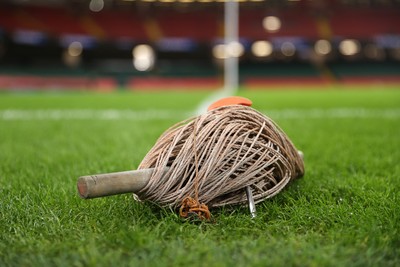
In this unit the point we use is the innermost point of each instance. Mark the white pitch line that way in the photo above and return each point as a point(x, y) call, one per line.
point(336, 113)
point(225, 92)
point(91, 114)
point(143, 115)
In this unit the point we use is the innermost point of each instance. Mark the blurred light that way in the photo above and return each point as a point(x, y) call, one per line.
point(349, 47)
point(205, 1)
point(70, 61)
point(374, 52)
point(222, 51)
point(322, 47)
point(167, 1)
point(271, 23)
point(235, 49)
point(186, 1)
point(288, 49)
point(262, 48)
point(75, 49)
point(143, 57)
point(219, 51)
point(96, 5)
point(72, 54)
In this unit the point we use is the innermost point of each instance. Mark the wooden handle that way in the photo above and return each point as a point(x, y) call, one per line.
point(101, 185)
point(108, 184)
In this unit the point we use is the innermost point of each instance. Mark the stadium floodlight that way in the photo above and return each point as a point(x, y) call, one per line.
point(349, 47)
point(235, 49)
point(143, 57)
point(231, 50)
point(262, 48)
point(219, 51)
point(75, 49)
point(72, 54)
point(288, 49)
point(271, 23)
point(322, 47)
point(96, 5)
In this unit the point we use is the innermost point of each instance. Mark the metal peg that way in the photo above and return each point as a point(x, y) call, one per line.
point(252, 205)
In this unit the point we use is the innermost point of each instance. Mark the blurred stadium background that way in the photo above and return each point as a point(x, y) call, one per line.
point(138, 44)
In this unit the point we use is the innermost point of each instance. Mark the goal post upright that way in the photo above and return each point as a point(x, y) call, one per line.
point(231, 37)
point(230, 61)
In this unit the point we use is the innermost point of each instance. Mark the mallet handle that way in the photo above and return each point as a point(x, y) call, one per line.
point(101, 185)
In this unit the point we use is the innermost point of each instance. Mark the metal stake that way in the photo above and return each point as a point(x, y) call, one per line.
point(252, 205)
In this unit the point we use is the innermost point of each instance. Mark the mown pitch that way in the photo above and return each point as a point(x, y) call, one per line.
point(344, 212)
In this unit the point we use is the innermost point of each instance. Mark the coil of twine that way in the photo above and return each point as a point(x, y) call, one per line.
point(213, 157)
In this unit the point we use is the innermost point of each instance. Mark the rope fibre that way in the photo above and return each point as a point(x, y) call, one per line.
point(214, 156)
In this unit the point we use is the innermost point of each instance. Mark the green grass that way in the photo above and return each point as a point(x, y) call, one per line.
point(344, 212)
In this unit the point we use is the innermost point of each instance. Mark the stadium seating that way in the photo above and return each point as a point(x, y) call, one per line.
point(200, 25)
point(294, 23)
point(197, 25)
point(364, 23)
point(122, 24)
point(203, 27)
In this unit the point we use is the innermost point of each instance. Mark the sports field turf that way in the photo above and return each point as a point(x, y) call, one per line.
point(344, 212)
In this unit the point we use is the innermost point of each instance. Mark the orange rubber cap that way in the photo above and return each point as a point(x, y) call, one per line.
point(232, 100)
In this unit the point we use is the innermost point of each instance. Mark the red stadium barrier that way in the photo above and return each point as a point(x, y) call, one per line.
point(370, 80)
point(262, 83)
point(319, 82)
point(190, 83)
point(38, 83)
point(15, 83)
